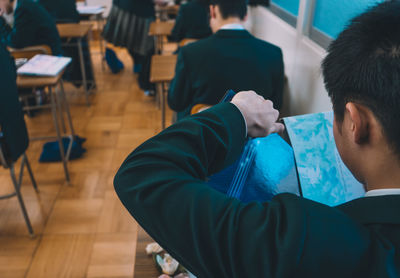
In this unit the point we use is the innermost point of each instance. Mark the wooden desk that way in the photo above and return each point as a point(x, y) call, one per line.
point(73, 30)
point(162, 72)
point(160, 29)
point(37, 81)
point(70, 31)
point(144, 264)
point(58, 104)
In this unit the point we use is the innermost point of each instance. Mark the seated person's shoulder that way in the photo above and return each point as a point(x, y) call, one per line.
point(199, 46)
point(27, 7)
point(267, 47)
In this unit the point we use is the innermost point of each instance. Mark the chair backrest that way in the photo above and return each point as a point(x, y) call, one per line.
point(199, 108)
point(184, 42)
point(29, 52)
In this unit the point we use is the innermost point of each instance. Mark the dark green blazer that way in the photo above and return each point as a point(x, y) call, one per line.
point(141, 8)
point(33, 25)
point(61, 10)
point(229, 59)
point(192, 22)
point(162, 184)
point(12, 121)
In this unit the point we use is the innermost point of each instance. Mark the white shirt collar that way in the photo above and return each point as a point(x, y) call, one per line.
point(232, 26)
point(383, 192)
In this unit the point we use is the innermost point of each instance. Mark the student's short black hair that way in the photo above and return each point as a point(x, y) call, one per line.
point(363, 66)
point(231, 8)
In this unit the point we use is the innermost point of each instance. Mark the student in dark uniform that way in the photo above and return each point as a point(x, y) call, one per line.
point(192, 21)
point(128, 26)
point(12, 122)
point(64, 11)
point(162, 183)
point(230, 59)
point(33, 25)
point(61, 10)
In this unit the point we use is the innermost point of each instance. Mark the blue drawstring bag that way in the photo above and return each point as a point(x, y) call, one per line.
point(113, 62)
point(51, 150)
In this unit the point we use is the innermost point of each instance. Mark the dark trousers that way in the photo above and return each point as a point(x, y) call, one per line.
point(74, 73)
point(144, 75)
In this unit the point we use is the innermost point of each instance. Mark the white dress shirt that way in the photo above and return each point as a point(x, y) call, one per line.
point(232, 26)
point(383, 192)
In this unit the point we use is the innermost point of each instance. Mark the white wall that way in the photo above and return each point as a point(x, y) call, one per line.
point(305, 92)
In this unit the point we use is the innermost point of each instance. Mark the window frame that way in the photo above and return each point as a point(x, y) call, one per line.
point(283, 14)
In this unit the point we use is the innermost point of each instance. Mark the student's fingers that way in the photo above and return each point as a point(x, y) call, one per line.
point(277, 128)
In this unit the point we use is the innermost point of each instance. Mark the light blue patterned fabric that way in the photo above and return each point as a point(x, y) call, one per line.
point(323, 176)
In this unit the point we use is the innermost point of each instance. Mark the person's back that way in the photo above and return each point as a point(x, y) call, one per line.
point(289, 236)
point(192, 21)
point(33, 25)
point(12, 122)
point(61, 10)
point(141, 8)
point(229, 59)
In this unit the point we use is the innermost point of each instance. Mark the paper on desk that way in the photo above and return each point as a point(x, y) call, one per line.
point(44, 65)
point(90, 9)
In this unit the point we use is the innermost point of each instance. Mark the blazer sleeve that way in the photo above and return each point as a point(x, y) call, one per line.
point(162, 184)
point(22, 32)
point(179, 95)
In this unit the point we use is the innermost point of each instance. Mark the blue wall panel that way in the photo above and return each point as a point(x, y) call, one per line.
point(291, 6)
point(331, 16)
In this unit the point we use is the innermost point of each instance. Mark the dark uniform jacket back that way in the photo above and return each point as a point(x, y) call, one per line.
point(229, 59)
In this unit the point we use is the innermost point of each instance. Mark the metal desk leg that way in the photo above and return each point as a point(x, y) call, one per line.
point(83, 70)
point(162, 100)
point(60, 111)
point(59, 138)
point(101, 40)
point(64, 101)
point(161, 44)
point(156, 45)
point(66, 106)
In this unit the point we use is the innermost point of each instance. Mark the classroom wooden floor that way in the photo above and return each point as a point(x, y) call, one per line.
point(82, 229)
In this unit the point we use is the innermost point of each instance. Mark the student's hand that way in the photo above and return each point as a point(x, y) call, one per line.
point(259, 114)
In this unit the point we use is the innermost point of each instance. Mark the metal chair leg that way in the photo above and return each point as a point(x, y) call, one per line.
point(21, 201)
point(28, 165)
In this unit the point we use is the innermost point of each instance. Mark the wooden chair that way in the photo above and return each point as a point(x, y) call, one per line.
point(184, 42)
point(199, 108)
point(30, 52)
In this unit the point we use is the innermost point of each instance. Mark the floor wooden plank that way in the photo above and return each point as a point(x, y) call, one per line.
point(82, 229)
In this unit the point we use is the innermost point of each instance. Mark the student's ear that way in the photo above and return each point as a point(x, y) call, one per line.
point(212, 11)
point(358, 124)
